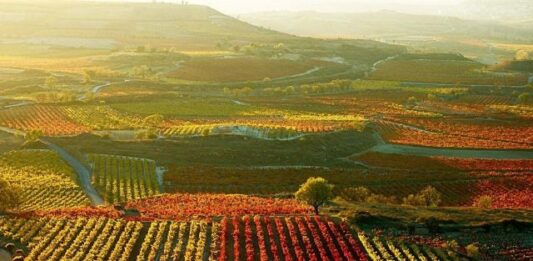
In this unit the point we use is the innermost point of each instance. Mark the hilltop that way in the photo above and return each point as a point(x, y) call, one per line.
point(111, 25)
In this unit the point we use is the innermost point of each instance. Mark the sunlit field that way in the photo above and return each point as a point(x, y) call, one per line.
point(179, 131)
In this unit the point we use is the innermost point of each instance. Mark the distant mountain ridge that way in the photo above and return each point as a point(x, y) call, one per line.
point(381, 24)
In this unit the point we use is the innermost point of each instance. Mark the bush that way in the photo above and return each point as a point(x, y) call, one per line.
point(380, 199)
point(428, 197)
point(359, 194)
point(483, 202)
point(472, 251)
point(362, 194)
point(9, 198)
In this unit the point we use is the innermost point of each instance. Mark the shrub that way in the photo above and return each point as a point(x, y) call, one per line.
point(483, 202)
point(359, 194)
point(428, 197)
point(472, 251)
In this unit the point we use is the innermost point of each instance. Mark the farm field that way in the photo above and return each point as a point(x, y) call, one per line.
point(244, 69)
point(150, 130)
point(447, 71)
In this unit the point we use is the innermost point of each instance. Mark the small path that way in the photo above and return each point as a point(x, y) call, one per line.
point(310, 71)
point(20, 104)
point(97, 88)
point(83, 173)
point(240, 103)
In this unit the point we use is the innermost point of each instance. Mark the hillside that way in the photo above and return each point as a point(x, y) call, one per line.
point(382, 24)
point(110, 25)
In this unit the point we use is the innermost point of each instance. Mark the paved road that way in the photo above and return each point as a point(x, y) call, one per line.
point(83, 173)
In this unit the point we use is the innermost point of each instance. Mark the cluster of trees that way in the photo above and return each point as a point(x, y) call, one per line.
point(152, 123)
point(319, 88)
point(9, 196)
point(522, 55)
point(55, 97)
point(428, 197)
point(90, 74)
point(143, 72)
point(245, 91)
point(261, 49)
point(316, 192)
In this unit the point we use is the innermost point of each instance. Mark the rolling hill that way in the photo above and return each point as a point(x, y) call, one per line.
point(110, 25)
point(381, 24)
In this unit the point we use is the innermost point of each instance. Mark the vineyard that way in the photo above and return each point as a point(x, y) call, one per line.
point(45, 183)
point(474, 138)
point(249, 237)
point(47, 119)
point(148, 130)
point(444, 71)
point(240, 69)
point(190, 206)
point(101, 118)
point(120, 179)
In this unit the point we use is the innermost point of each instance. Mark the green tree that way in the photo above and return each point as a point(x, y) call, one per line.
point(32, 136)
point(522, 55)
point(10, 196)
point(315, 192)
point(472, 251)
point(483, 202)
point(86, 78)
point(431, 196)
point(524, 98)
point(153, 120)
point(50, 82)
point(359, 194)
point(428, 197)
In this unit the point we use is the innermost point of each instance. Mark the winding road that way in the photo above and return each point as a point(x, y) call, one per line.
point(84, 174)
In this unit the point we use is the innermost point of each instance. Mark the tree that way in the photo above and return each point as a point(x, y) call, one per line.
point(9, 198)
point(51, 82)
point(428, 197)
point(483, 202)
point(86, 78)
point(524, 98)
point(153, 120)
point(315, 192)
point(431, 196)
point(472, 251)
point(522, 55)
point(32, 136)
point(359, 194)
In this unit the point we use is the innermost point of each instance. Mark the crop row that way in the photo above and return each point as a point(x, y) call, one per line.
point(403, 135)
point(248, 237)
point(287, 238)
point(47, 119)
point(120, 179)
point(188, 206)
point(43, 179)
point(379, 248)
